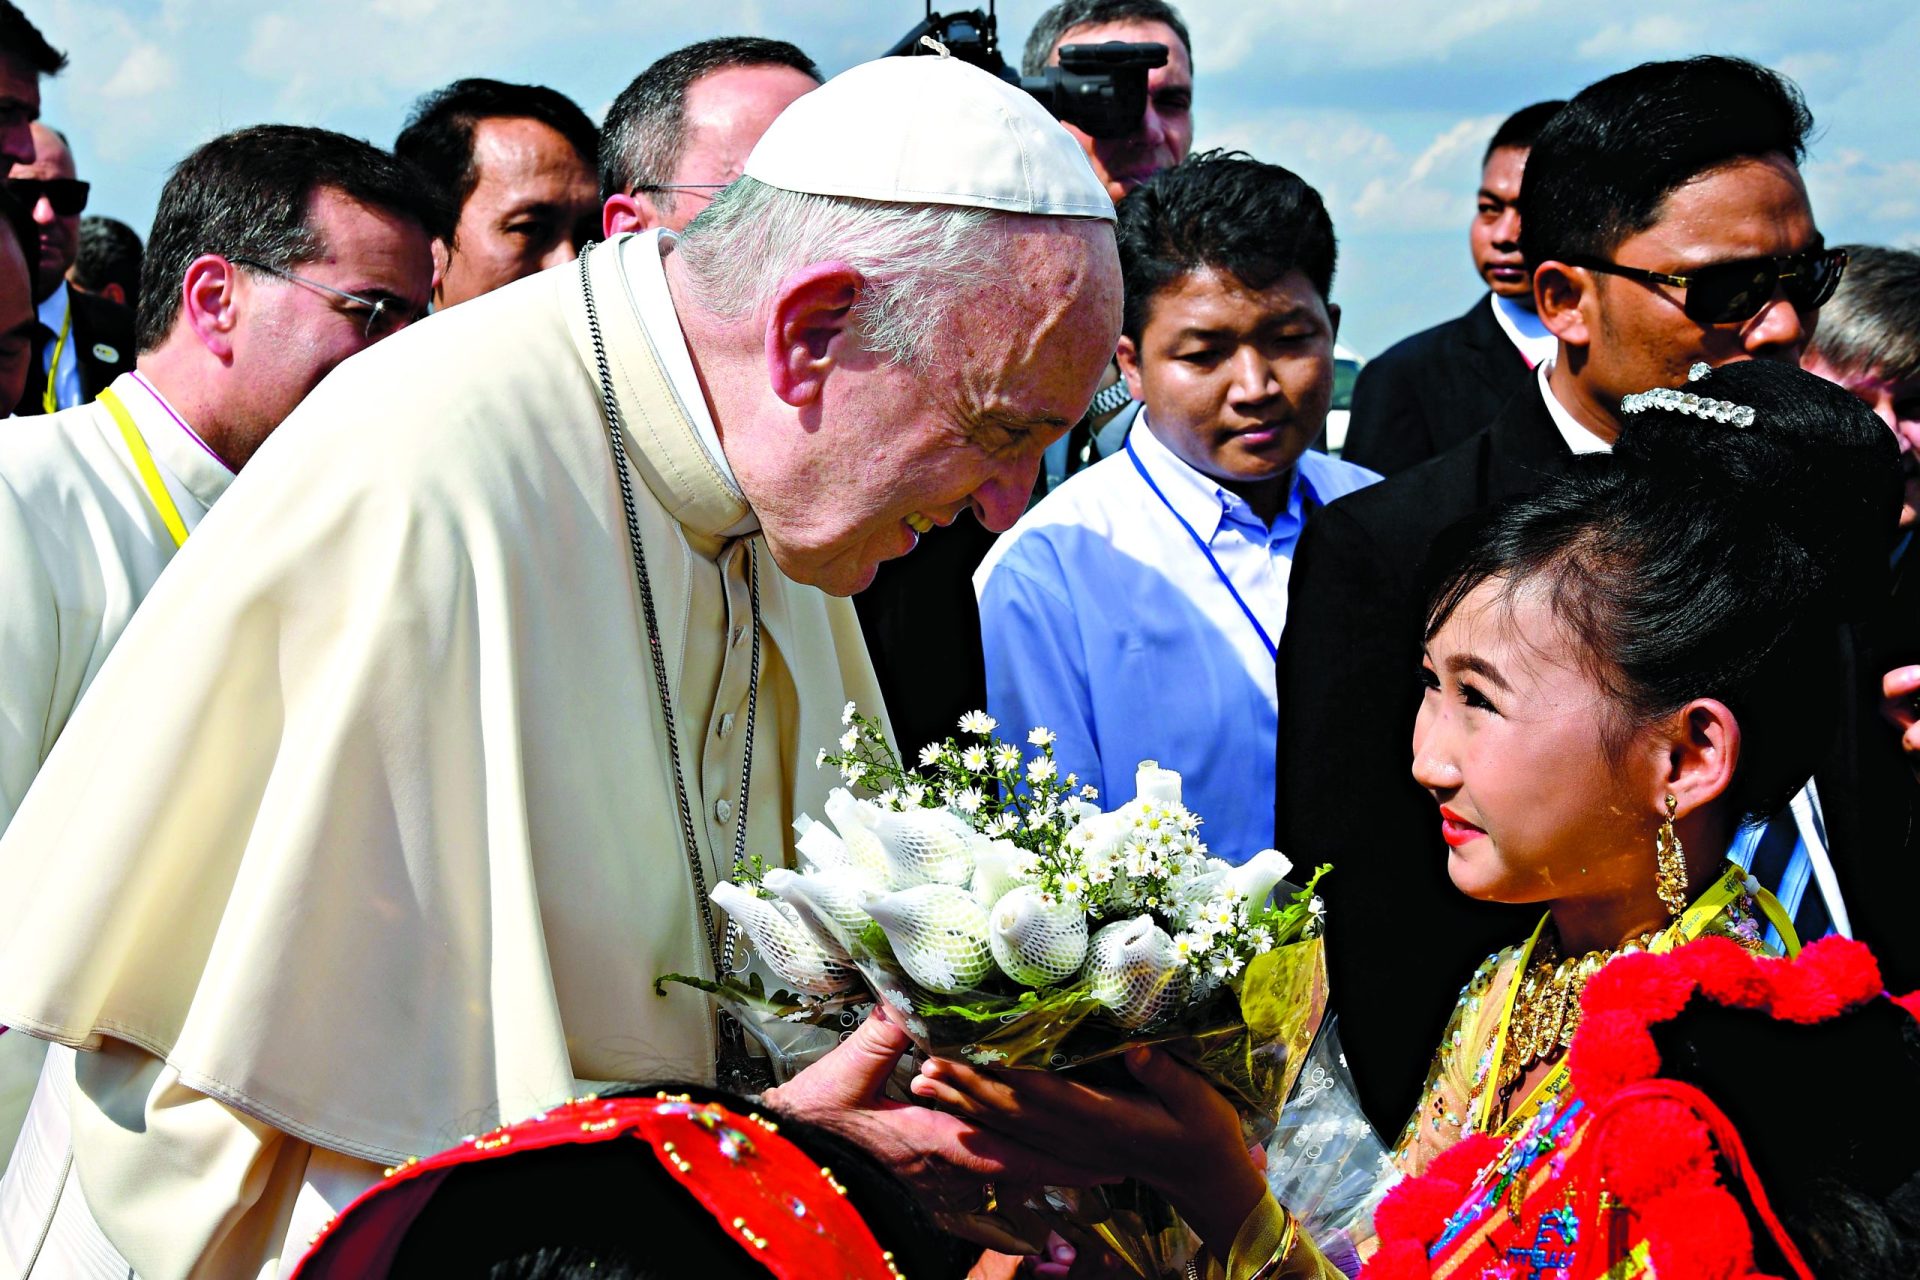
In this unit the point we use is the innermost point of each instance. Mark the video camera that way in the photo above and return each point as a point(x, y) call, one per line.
point(1100, 89)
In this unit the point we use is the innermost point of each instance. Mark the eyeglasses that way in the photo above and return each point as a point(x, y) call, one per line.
point(706, 188)
point(68, 196)
point(1735, 292)
point(384, 315)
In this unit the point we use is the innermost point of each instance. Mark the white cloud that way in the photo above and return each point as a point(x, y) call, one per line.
point(1359, 33)
point(1654, 36)
point(145, 71)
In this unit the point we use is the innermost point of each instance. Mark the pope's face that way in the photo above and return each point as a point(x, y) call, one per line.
point(889, 446)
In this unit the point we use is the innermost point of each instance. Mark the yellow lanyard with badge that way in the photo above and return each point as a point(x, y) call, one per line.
point(149, 473)
point(50, 394)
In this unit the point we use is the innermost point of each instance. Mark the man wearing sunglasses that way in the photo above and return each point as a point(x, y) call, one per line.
point(1665, 223)
point(83, 342)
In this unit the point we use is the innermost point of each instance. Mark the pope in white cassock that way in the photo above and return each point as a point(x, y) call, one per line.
point(409, 777)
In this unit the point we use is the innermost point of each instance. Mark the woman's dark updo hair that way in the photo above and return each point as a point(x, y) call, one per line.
point(1707, 560)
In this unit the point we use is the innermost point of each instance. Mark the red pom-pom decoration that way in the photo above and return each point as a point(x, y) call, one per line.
point(1910, 1002)
point(1656, 1145)
point(1611, 1049)
point(1848, 967)
point(1462, 1162)
point(1398, 1259)
point(1726, 972)
point(1699, 1233)
point(1641, 983)
point(1417, 1209)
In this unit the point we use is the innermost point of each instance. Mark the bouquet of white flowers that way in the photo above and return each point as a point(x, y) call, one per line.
point(1009, 921)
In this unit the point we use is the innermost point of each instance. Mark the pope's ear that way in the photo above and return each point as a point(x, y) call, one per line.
point(808, 325)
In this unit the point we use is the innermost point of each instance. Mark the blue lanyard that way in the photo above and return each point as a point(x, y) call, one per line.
point(1273, 650)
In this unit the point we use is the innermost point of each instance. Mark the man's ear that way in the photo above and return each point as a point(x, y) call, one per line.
point(808, 326)
point(1333, 322)
point(1127, 356)
point(209, 304)
point(113, 291)
point(442, 255)
point(1702, 749)
point(624, 213)
point(1560, 293)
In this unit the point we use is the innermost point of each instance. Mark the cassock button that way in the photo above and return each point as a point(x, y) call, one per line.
point(726, 724)
point(722, 812)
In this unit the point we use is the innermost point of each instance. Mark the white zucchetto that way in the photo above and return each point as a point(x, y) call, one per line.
point(929, 130)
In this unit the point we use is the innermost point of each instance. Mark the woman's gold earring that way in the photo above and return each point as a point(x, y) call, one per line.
point(1670, 864)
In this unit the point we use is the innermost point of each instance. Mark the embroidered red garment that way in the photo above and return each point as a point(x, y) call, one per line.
point(790, 1214)
point(1621, 1178)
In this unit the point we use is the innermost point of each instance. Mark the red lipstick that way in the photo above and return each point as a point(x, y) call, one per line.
point(1456, 830)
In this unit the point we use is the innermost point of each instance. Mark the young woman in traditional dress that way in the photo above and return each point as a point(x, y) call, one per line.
point(1622, 673)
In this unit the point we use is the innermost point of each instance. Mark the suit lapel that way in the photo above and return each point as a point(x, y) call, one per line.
point(1525, 448)
point(1493, 357)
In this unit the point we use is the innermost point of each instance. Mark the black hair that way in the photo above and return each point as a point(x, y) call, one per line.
point(19, 38)
point(610, 1211)
point(1605, 163)
point(1844, 1178)
point(248, 194)
point(646, 127)
point(1068, 14)
point(1708, 560)
point(438, 135)
point(1872, 322)
point(1522, 127)
point(110, 253)
point(1227, 211)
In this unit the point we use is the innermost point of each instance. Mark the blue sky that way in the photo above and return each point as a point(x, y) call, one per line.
point(1385, 105)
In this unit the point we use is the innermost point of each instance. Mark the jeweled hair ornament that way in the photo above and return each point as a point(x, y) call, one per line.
point(1688, 402)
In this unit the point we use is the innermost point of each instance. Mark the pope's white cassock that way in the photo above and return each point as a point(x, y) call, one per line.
point(365, 837)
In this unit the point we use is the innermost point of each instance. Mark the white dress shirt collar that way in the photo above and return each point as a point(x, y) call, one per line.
point(1523, 328)
point(1195, 497)
point(175, 445)
point(1572, 430)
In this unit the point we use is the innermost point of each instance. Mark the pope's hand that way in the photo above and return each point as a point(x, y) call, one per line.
point(1901, 689)
point(1178, 1135)
point(947, 1159)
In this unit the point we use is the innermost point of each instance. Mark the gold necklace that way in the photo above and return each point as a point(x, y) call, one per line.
point(1546, 1009)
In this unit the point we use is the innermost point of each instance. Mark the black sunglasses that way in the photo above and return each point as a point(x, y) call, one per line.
point(1735, 292)
point(68, 196)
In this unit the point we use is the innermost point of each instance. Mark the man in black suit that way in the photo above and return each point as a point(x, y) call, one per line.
point(1670, 168)
point(1429, 392)
point(1869, 343)
point(85, 342)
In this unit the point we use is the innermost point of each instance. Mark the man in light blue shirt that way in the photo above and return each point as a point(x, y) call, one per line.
point(1135, 611)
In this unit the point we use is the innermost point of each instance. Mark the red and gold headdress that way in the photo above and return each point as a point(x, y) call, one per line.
point(789, 1213)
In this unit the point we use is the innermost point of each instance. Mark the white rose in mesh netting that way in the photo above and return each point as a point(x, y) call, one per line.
point(1135, 971)
point(784, 942)
point(1255, 878)
point(819, 847)
point(997, 867)
point(924, 845)
point(1038, 940)
point(853, 819)
point(939, 935)
point(827, 900)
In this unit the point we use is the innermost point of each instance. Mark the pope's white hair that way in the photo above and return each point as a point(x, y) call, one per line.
point(918, 259)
